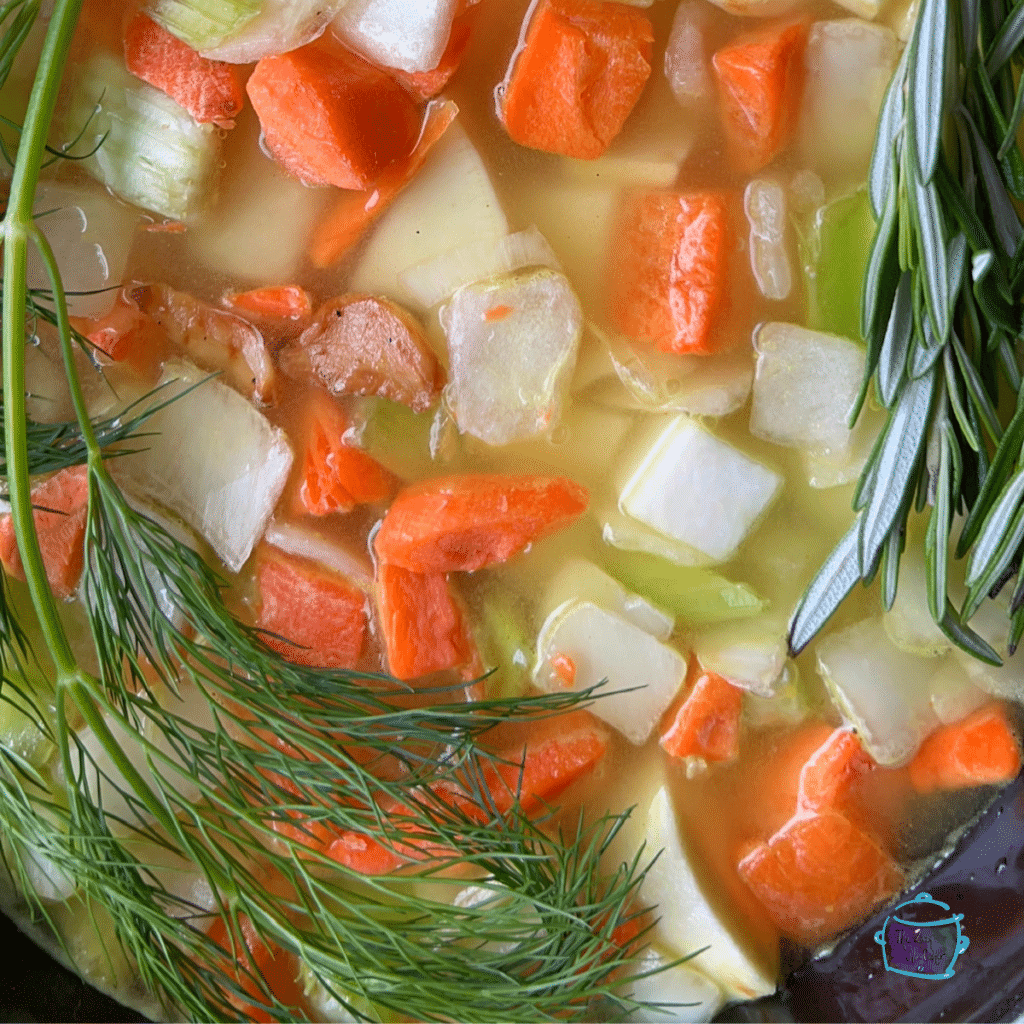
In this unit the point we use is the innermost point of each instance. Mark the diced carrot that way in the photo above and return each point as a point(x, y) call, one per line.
point(462, 523)
point(577, 76)
point(670, 270)
point(336, 475)
point(819, 875)
point(427, 84)
point(284, 302)
point(498, 313)
point(215, 339)
point(363, 345)
point(831, 769)
point(565, 669)
point(558, 752)
point(980, 750)
point(125, 334)
point(706, 722)
point(60, 505)
point(760, 85)
point(331, 118)
point(318, 618)
point(353, 212)
point(424, 631)
point(209, 90)
point(278, 969)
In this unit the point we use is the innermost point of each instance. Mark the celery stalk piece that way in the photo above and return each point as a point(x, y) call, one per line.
point(142, 145)
point(695, 594)
point(835, 256)
point(203, 23)
point(506, 645)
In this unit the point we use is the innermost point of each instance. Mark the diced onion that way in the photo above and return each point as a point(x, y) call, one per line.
point(212, 459)
point(396, 34)
point(435, 280)
point(686, 59)
point(304, 543)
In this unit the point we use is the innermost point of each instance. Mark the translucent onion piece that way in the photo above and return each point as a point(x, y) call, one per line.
point(397, 34)
point(764, 203)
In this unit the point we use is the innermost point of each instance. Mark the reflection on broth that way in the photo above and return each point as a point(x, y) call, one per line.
point(459, 424)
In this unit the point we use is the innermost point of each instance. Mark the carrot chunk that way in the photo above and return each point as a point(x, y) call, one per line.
point(423, 629)
point(706, 722)
point(259, 962)
point(462, 523)
point(362, 345)
point(557, 753)
point(760, 82)
point(336, 476)
point(980, 750)
point(284, 302)
point(125, 334)
point(427, 84)
point(670, 271)
point(818, 875)
point(209, 90)
point(331, 118)
point(577, 76)
point(831, 769)
point(353, 212)
point(60, 505)
point(317, 618)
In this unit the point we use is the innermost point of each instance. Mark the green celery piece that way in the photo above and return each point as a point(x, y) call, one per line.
point(835, 257)
point(396, 436)
point(19, 734)
point(506, 645)
point(694, 594)
point(203, 24)
point(143, 146)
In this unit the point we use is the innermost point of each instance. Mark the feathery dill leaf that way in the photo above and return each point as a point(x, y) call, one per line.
point(242, 793)
point(942, 322)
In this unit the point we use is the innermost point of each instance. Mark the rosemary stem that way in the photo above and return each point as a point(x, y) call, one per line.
point(17, 227)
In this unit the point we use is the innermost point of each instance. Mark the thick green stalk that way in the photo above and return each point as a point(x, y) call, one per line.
point(18, 226)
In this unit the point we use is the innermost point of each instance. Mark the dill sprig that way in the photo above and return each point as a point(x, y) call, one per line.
point(280, 756)
point(941, 317)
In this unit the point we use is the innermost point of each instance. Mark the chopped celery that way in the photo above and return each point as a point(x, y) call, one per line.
point(506, 645)
point(695, 594)
point(400, 439)
point(21, 735)
point(835, 255)
point(140, 143)
point(203, 23)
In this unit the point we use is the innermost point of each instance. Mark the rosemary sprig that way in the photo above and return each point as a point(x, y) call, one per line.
point(941, 318)
point(283, 755)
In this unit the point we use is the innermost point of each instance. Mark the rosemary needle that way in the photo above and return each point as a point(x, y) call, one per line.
point(941, 319)
point(280, 745)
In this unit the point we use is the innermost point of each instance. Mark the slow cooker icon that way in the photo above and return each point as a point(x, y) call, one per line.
point(922, 939)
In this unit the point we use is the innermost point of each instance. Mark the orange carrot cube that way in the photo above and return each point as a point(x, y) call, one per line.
point(831, 769)
point(760, 83)
point(336, 475)
point(209, 90)
point(577, 76)
point(818, 875)
point(980, 750)
point(60, 505)
point(670, 271)
point(706, 722)
point(462, 523)
point(317, 618)
point(423, 628)
point(331, 118)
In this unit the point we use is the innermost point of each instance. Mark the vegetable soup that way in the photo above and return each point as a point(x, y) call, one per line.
point(442, 440)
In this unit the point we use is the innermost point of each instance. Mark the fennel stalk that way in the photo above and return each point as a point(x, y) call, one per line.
point(282, 756)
